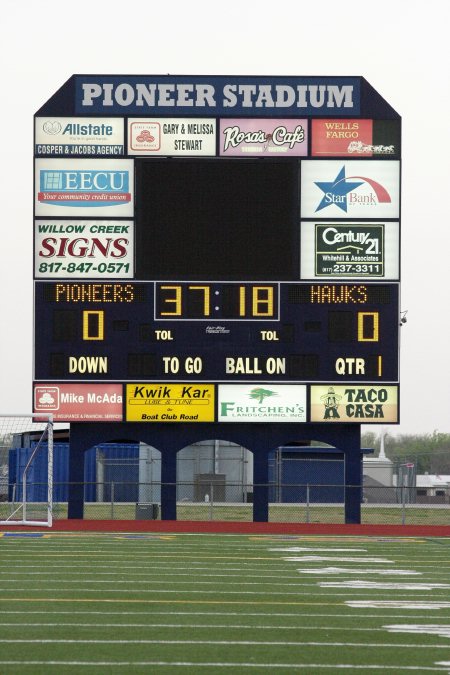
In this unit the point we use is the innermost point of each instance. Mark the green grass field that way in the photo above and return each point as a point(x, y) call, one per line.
point(189, 604)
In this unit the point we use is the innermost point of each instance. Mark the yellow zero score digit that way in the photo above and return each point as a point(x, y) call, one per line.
point(368, 326)
point(369, 331)
point(93, 325)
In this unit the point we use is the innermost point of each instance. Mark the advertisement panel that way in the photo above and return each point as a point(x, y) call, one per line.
point(259, 137)
point(350, 189)
point(262, 403)
point(84, 187)
point(364, 404)
point(353, 137)
point(358, 250)
point(156, 402)
point(172, 136)
point(74, 402)
point(83, 249)
point(79, 136)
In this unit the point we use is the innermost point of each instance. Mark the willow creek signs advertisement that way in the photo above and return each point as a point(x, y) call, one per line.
point(83, 248)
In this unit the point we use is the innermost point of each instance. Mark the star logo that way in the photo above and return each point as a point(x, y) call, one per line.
point(336, 191)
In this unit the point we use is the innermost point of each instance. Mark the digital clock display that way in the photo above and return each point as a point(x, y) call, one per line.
point(218, 301)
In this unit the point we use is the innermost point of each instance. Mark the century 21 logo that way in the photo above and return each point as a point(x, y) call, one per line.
point(356, 238)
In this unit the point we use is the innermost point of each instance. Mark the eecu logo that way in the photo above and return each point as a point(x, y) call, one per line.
point(83, 188)
point(343, 192)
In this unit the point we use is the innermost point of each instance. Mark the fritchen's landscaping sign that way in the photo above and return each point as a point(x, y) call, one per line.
point(262, 403)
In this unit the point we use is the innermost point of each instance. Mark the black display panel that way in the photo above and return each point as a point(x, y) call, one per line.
point(223, 219)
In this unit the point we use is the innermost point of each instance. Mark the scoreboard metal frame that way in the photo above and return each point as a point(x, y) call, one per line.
point(210, 288)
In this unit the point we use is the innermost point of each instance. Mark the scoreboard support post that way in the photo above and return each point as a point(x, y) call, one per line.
point(169, 484)
point(261, 441)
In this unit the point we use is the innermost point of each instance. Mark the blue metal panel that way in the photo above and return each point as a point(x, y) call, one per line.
point(303, 474)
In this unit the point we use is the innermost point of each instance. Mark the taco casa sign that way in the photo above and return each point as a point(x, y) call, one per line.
point(354, 403)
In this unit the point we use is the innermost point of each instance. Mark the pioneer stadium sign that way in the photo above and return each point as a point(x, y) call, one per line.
point(232, 96)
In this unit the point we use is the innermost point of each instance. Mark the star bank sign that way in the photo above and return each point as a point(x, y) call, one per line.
point(360, 189)
point(220, 95)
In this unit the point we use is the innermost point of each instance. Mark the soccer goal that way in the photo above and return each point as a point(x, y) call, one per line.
point(26, 470)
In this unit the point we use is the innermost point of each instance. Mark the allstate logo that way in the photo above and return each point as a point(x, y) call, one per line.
point(51, 128)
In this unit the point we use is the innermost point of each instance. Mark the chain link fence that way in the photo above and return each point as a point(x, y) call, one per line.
point(215, 483)
point(219, 500)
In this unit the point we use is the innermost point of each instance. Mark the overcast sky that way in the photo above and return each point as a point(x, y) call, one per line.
point(401, 48)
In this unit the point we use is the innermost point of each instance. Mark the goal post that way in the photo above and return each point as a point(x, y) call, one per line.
point(26, 470)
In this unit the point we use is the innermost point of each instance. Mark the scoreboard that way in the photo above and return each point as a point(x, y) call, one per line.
point(218, 331)
point(175, 250)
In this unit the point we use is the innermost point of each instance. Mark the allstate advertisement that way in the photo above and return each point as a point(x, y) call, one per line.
point(79, 137)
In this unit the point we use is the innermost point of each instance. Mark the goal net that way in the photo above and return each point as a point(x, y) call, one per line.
point(26, 470)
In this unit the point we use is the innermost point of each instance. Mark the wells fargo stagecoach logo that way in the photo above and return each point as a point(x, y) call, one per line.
point(343, 191)
point(364, 137)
